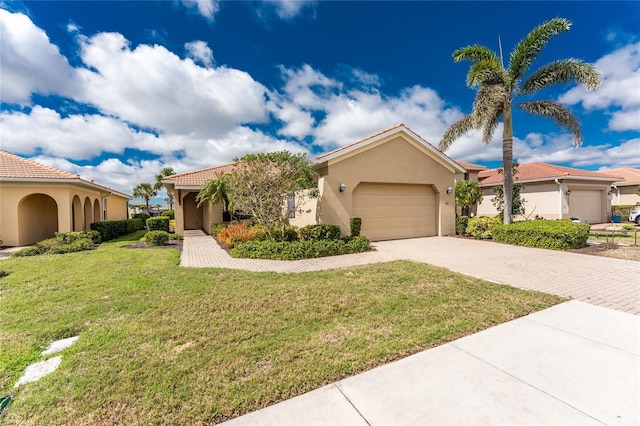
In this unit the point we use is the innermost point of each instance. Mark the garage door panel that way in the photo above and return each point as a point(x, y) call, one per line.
point(392, 211)
point(586, 205)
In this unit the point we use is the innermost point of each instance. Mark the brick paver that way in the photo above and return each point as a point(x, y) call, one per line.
point(603, 281)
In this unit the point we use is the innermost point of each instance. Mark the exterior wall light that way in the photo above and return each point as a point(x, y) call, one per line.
point(342, 187)
point(568, 193)
point(449, 190)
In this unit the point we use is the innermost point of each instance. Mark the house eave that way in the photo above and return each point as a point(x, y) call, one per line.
point(76, 181)
point(553, 179)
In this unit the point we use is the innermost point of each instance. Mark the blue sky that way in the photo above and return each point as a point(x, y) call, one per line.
point(115, 91)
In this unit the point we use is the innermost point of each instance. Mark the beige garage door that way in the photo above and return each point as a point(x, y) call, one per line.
point(586, 205)
point(392, 211)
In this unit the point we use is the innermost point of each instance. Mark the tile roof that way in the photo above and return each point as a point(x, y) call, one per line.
point(629, 176)
point(198, 177)
point(471, 166)
point(13, 167)
point(542, 171)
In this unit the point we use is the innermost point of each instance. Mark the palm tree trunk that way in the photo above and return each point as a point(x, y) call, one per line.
point(507, 163)
point(146, 199)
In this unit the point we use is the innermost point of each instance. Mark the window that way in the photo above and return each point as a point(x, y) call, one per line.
point(104, 209)
point(291, 207)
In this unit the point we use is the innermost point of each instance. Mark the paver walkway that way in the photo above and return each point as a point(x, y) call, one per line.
point(603, 281)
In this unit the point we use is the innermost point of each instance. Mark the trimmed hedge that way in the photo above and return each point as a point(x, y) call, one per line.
point(355, 223)
point(158, 223)
point(461, 224)
point(114, 228)
point(481, 227)
point(156, 238)
point(320, 232)
point(297, 250)
point(171, 214)
point(69, 237)
point(549, 234)
point(64, 242)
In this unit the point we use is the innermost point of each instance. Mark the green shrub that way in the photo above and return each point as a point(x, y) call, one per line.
point(240, 232)
point(143, 216)
point(280, 250)
point(157, 238)
point(291, 233)
point(171, 214)
point(217, 227)
point(550, 234)
point(622, 210)
point(80, 244)
point(114, 228)
point(355, 223)
point(158, 223)
point(481, 227)
point(27, 251)
point(69, 237)
point(461, 224)
point(628, 227)
point(172, 225)
point(320, 232)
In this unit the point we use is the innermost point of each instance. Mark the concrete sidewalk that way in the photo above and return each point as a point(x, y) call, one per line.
point(603, 281)
point(574, 363)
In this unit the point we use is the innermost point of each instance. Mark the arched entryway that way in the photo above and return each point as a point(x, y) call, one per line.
point(76, 210)
point(192, 213)
point(88, 211)
point(96, 211)
point(37, 219)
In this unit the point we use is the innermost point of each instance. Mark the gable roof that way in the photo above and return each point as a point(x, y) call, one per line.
point(629, 176)
point(398, 128)
point(18, 169)
point(196, 178)
point(532, 172)
point(471, 166)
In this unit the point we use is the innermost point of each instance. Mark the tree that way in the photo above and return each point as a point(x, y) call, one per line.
point(214, 191)
point(468, 193)
point(167, 171)
point(145, 190)
point(261, 185)
point(517, 202)
point(498, 88)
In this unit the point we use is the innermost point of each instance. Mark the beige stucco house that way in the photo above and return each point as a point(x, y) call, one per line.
point(36, 201)
point(555, 192)
point(625, 191)
point(397, 182)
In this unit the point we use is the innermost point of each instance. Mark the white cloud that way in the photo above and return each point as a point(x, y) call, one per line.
point(288, 9)
point(199, 51)
point(30, 62)
point(152, 87)
point(79, 137)
point(206, 8)
point(618, 91)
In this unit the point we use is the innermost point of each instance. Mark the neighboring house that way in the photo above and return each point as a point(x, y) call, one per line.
point(625, 191)
point(36, 201)
point(555, 192)
point(397, 182)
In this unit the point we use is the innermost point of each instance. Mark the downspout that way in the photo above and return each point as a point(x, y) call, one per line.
point(559, 199)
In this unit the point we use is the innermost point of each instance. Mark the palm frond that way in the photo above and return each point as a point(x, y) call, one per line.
point(563, 71)
point(558, 113)
point(475, 53)
point(486, 72)
point(489, 99)
point(526, 51)
point(456, 130)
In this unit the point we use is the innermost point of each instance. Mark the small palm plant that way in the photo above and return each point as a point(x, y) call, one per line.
point(214, 191)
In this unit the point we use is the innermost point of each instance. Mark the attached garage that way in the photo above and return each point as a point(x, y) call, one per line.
point(393, 210)
point(586, 205)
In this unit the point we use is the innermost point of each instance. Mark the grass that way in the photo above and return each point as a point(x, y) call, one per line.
point(160, 344)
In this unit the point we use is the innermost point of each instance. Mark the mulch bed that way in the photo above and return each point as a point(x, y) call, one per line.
point(176, 244)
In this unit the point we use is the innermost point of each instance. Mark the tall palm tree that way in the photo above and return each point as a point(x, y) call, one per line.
point(498, 88)
point(167, 171)
point(214, 191)
point(145, 190)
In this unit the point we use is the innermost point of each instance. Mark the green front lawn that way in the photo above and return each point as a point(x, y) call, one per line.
point(160, 344)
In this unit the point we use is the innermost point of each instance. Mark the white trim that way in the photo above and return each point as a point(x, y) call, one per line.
point(549, 179)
